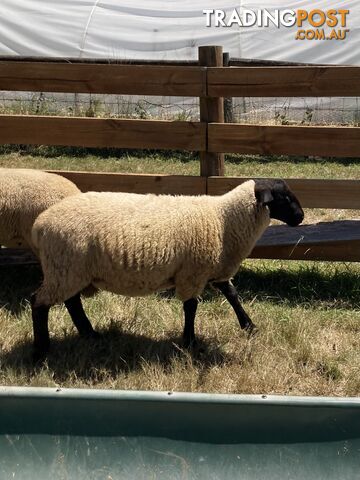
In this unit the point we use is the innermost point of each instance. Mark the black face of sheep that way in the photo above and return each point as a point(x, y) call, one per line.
point(193, 266)
point(282, 203)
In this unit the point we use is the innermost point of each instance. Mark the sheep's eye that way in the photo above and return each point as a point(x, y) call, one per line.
point(288, 199)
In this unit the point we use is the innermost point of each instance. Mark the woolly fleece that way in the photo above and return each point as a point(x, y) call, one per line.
point(24, 194)
point(136, 245)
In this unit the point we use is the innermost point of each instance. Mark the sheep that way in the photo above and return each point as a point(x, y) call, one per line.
point(136, 245)
point(24, 194)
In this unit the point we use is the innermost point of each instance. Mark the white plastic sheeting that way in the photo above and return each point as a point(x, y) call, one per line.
point(168, 29)
point(172, 30)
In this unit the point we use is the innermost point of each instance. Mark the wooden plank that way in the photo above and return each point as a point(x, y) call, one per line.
point(330, 252)
point(211, 110)
point(322, 232)
point(95, 78)
point(284, 140)
point(16, 256)
point(100, 132)
point(228, 101)
point(324, 81)
point(335, 241)
point(99, 61)
point(341, 252)
point(136, 183)
point(256, 62)
point(312, 193)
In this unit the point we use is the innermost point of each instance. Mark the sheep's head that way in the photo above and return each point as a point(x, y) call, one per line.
point(280, 200)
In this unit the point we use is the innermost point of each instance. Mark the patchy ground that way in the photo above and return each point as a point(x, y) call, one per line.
point(308, 314)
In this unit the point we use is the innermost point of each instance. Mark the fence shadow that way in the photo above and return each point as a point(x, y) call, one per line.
point(114, 352)
point(49, 151)
point(295, 286)
point(308, 284)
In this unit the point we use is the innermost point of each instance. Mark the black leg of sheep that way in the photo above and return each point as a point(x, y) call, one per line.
point(230, 293)
point(190, 307)
point(40, 317)
point(79, 318)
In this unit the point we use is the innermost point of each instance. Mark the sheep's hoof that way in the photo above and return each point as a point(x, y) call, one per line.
point(251, 329)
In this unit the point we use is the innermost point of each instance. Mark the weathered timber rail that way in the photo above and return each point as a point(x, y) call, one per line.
point(209, 80)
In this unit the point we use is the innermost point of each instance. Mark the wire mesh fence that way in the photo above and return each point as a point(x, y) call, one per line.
point(282, 111)
point(99, 105)
point(298, 111)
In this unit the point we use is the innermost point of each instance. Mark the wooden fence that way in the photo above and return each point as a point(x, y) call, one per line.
point(211, 82)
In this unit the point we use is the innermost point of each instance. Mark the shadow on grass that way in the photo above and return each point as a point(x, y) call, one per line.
point(114, 352)
point(45, 151)
point(299, 286)
point(17, 284)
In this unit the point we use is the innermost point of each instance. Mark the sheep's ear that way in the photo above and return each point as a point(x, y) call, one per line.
point(264, 196)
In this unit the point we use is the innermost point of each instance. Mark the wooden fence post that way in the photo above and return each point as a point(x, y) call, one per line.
point(211, 110)
point(228, 101)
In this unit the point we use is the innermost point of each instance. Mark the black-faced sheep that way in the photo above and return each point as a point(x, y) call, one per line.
point(140, 244)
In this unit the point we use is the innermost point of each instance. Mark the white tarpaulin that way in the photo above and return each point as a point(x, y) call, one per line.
point(172, 30)
point(168, 29)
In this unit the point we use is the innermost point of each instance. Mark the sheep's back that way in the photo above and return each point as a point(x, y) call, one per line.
point(24, 194)
point(140, 231)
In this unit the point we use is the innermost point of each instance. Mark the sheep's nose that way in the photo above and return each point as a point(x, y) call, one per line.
point(299, 218)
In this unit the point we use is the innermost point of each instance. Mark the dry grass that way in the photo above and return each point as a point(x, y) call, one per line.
point(308, 341)
point(308, 313)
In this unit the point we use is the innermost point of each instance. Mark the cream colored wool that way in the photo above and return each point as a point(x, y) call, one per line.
point(24, 194)
point(139, 244)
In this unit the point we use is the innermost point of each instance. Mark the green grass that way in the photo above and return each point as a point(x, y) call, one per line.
point(175, 162)
point(308, 341)
point(308, 314)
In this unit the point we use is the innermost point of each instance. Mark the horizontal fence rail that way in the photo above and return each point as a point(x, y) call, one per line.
point(284, 140)
point(257, 62)
point(99, 61)
point(107, 79)
point(284, 82)
point(101, 132)
point(209, 80)
point(233, 61)
point(312, 193)
point(157, 134)
point(136, 183)
point(337, 241)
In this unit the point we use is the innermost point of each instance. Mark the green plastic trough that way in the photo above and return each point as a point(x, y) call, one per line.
point(96, 434)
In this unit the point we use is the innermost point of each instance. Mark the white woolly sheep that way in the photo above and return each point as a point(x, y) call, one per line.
point(136, 245)
point(24, 194)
